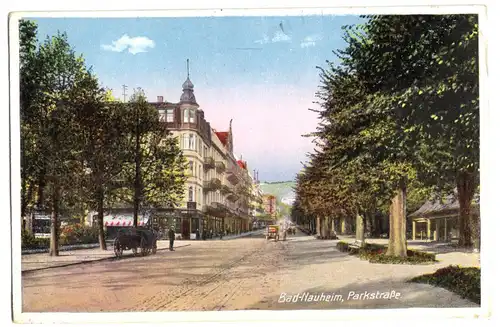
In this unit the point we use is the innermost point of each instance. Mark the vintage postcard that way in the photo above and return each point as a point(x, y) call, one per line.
point(248, 164)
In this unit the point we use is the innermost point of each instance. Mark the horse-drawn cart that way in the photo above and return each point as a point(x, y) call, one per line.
point(273, 232)
point(134, 238)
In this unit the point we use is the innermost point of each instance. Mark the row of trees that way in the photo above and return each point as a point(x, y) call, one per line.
point(81, 149)
point(399, 118)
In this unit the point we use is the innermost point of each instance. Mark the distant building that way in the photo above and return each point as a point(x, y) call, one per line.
point(438, 220)
point(270, 204)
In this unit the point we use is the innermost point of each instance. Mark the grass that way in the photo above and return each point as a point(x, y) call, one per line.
point(465, 282)
point(375, 253)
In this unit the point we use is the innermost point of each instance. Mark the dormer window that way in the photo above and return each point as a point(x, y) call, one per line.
point(186, 116)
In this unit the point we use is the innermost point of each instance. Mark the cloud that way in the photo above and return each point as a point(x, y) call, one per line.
point(133, 44)
point(264, 40)
point(310, 41)
point(279, 36)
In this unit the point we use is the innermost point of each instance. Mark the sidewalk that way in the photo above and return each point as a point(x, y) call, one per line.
point(40, 261)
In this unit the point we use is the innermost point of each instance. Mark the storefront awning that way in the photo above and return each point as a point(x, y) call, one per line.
point(124, 220)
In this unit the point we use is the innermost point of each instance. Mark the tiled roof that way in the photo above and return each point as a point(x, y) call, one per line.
point(242, 164)
point(433, 207)
point(223, 136)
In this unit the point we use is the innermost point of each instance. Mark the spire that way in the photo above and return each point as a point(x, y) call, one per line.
point(188, 89)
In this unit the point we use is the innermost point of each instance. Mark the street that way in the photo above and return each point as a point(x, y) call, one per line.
point(238, 274)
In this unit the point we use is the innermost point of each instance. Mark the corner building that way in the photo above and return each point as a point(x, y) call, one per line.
point(218, 189)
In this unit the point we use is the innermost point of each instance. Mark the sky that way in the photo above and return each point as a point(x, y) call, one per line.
point(259, 71)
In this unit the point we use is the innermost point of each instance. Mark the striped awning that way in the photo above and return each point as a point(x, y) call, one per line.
point(124, 221)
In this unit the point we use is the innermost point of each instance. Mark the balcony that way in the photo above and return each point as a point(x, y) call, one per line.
point(232, 176)
point(225, 190)
point(212, 185)
point(209, 163)
point(220, 166)
point(243, 191)
point(233, 197)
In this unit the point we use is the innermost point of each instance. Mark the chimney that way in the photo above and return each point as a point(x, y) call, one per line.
point(159, 98)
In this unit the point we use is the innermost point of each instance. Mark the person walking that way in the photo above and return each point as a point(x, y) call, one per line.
point(171, 237)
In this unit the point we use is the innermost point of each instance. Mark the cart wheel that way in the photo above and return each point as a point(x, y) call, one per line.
point(118, 249)
point(144, 246)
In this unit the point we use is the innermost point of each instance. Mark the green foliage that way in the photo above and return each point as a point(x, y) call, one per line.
point(29, 241)
point(400, 111)
point(375, 253)
point(79, 147)
point(79, 234)
point(464, 281)
point(153, 174)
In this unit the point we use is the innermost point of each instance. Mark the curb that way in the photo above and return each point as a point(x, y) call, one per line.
point(111, 258)
point(64, 248)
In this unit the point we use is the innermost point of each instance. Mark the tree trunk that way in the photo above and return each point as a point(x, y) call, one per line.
point(397, 218)
point(25, 199)
point(360, 229)
point(41, 188)
point(137, 179)
point(334, 228)
point(100, 218)
point(318, 226)
point(466, 186)
point(369, 223)
point(328, 221)
point(54, 223)
point(343, 225)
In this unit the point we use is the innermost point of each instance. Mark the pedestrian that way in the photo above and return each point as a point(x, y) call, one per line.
point(197, 234)
point(171, 237)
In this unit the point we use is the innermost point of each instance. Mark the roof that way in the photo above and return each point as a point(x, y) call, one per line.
point(242, 164)
point(163, 105)
point(223, 137)
point(433, 207)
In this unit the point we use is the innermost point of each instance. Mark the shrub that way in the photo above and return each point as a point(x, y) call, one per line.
point(29, 241)
point(464, 281)
point(375, 253)
point(343, 246)
point(78, 234)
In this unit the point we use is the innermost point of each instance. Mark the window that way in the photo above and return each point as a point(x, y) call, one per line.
point(186, 116)
point(191, 168)
point(162, 115)
point(200, 171)
point(192, 116)
point(192, 143)
point(185, 141)
point(199, 146)
point(199, 195)
point(170, 115)
point(205, 151)
point(190, 194)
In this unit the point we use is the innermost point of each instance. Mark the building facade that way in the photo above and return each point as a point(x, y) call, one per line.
point(218, 192)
